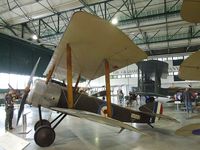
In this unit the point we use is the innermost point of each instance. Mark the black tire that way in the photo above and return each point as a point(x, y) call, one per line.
point(39, 123)
point(44, 136)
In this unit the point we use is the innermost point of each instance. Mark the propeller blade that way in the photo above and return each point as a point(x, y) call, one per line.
point(23, 101)
point(10, 87)
point(33, 73)
point(26, 91)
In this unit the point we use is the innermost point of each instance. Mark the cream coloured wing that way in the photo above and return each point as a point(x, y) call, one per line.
point(190, 67)
point(190, 11)
point(96, 118)
point(93, 40)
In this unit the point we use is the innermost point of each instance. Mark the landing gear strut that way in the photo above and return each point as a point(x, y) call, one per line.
point(44, 134)
point(150, 125)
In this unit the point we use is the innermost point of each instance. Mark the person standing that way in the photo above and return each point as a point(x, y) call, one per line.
point(103, 98)
point(121, 97)
point(9, 108)
point(187, 100)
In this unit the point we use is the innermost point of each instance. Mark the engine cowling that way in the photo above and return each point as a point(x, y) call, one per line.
point(46, 95)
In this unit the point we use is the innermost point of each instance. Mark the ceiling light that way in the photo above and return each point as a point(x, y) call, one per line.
point(114, 21)
point(35, 37)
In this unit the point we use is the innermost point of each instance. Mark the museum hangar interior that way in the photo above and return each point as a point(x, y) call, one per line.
point(32, 29)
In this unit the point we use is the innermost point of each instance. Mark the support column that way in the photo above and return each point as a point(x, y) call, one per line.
point(107, 80)
point(69, 77)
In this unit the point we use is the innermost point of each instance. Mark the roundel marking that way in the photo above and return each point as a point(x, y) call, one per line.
point(196, 132)
point(103, 110)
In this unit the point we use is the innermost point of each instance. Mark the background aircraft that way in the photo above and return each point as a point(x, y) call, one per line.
point(149, 81)
point(80, 53)
point(190, 67)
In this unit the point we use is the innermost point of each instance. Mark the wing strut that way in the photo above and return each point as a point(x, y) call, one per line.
point(69, 77)
point(50, 74)
point(107, 79)
point(76, 85)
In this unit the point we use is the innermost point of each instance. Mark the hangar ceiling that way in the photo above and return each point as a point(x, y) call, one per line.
point(154, 25)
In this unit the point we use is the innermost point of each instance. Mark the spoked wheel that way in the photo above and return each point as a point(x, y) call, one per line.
point(42, 123)
point(44, 136)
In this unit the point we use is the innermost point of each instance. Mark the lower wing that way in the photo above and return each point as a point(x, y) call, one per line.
point(96, 118)
point(188, 130)
point(164, 117)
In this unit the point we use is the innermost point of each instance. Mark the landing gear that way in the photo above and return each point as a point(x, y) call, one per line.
point(150, 125)
point(44, 136)
point(41, 123)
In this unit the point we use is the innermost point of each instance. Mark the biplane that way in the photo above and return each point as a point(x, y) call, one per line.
point(90, 47)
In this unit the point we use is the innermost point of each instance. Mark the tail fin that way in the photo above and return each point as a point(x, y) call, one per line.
point(158, 109)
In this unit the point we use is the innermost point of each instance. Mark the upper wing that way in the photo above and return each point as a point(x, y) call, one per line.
point(190, 11)
point(95, 117)
point(190, 67)
point(93, 40)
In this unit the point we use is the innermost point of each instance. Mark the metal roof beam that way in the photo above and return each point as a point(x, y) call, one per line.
point(144, 8)
point(57, 22)
point(190, 32)
point(175, 33)
point(144, 36)
point(118, 10)
point(166, 21)
point(146, 41)
point(25, 14)
point(8, 26)
point(87, 6)
point(153, 35)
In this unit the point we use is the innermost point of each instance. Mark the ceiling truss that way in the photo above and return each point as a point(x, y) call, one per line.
point(153, 25)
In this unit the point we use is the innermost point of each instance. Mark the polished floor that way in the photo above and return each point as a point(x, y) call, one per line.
point(74, 133)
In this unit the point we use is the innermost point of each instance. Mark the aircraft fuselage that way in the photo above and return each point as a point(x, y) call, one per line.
point(54, 95)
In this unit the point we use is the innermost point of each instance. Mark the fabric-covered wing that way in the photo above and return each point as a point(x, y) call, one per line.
point(188, 130)
point(96, 118)
point(190, 67)
point(164, 117)
point(93, 40)
point(190, 11)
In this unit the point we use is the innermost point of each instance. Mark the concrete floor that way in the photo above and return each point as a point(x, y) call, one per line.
point(74, 133)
